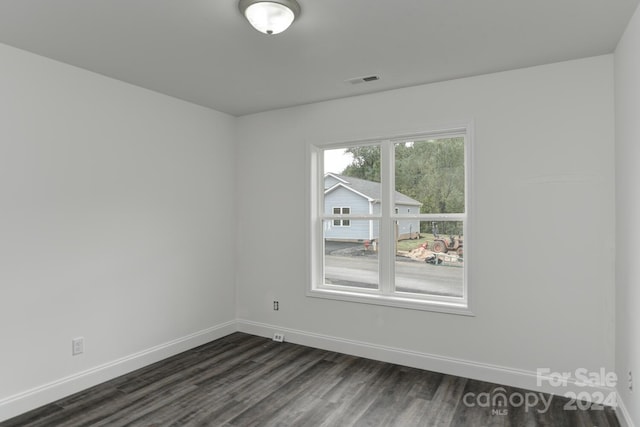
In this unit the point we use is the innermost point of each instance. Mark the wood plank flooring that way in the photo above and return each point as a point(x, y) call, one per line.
point(243, 380)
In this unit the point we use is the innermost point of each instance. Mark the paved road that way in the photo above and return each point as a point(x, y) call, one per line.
point(411, 276)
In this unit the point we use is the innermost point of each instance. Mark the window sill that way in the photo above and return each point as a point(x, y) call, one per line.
point(397, 301)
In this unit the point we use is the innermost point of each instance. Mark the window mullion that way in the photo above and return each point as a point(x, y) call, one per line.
point(387, 230)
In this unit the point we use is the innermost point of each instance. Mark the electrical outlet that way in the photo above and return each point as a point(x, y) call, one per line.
point(630, 381)
point(278, 337)
point(276, 305)
point(77, 346)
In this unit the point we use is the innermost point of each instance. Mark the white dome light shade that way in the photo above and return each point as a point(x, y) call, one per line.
point(270, 17)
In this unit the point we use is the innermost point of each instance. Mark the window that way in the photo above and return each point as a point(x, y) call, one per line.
point(389, 221)
point(341, 222)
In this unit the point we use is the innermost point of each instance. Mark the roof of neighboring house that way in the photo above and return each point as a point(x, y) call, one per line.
point(368, 189)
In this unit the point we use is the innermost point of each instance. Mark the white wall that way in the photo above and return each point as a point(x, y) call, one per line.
point(118, 222)
point(543, 264)
point(116, 225)
point(627, 94)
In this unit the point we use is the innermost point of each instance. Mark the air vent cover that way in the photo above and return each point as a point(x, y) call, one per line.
point(366, 79)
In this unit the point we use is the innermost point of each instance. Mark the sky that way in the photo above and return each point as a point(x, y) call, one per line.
point(336, 160)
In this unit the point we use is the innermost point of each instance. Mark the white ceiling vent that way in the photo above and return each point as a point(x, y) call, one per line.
point(366, 79)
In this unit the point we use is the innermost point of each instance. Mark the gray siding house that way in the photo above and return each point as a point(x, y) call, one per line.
point(348, 195)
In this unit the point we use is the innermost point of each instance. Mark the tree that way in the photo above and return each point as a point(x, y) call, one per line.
point(365, 164)
point(430, 171)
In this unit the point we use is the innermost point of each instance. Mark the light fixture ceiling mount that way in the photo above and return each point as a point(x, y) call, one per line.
point(270, 16)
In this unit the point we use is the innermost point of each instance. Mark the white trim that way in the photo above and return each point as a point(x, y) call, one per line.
point(346, 187)
point(349, 216)
point(371, 221)
point(41, 395)
point(624, 418)
point(386, 294)
point(333, 175)
point(469, 208)
point(447, 365)
point(444, 130)
point(431, 217)
point(435, 303)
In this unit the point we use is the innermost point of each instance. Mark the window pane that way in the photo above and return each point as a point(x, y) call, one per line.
point(431, 261)
point(336, 211)
point(350, 256)
point(359, 162)
point(346, 211)
point(431, 174)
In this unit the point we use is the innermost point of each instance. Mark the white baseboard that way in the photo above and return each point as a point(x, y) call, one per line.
point(527, 380)
point(623, 414)
point(47, 393)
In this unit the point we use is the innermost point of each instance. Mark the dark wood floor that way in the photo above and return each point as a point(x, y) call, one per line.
point(244, 380)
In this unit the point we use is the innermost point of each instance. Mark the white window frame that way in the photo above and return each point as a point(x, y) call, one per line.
point(385, 295)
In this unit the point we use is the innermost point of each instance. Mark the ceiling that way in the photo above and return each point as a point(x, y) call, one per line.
point(203, 51)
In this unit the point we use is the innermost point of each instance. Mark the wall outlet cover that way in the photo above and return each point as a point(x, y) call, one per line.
point(77, 346)
point(278, 337)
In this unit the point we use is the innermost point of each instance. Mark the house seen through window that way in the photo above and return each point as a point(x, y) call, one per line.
point(389, 220)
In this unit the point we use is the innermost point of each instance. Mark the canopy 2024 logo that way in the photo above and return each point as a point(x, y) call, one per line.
point(500, 401)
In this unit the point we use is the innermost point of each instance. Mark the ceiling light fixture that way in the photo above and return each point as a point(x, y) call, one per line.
point(270, 17)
